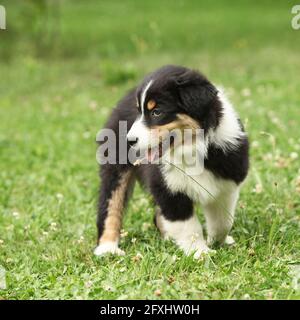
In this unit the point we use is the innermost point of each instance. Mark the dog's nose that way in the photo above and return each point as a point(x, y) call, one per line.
point(133, 141)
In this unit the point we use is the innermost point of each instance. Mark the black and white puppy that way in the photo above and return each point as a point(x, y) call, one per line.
point(175, 97)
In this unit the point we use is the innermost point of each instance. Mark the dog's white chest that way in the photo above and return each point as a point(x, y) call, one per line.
point(203, 187)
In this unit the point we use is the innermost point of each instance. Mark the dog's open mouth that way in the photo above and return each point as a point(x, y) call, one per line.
point(154, 153)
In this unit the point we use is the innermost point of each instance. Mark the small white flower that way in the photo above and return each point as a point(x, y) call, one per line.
point(123, 233)
point(59, 196)
point(53, 226)
point(268, 157)
point(146, 226)
point(88, 284)
point(174, 258)
point(93, 105)
point(16, 214)
point(137, 257)
point(81, 239)
point(10, 227)
point(246, 92)
point(275, 120)
point(294, 155)
point(258, 188)
point(86, 135)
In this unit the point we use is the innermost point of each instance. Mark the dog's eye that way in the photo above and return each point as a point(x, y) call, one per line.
point(156, 113)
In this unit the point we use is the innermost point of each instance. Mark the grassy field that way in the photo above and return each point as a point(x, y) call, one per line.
point(60, 78)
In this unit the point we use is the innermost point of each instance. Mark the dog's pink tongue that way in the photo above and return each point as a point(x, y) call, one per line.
point(151, 154)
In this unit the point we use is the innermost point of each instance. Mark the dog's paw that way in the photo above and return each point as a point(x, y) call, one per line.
point(202, 251)
point(229, 241)
point(196, 248)
point(213, 242)
point(108, 247)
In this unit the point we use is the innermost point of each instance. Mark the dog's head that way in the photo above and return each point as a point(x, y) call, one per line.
point(172, 98)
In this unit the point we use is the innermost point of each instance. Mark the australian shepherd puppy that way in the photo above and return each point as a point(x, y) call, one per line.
point(174, 99)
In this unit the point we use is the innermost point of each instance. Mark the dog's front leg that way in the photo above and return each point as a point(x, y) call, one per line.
point(175, 220)
point(219, 217)
point(187, 234)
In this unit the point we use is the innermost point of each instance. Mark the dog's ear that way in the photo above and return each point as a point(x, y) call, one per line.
point(196, 93)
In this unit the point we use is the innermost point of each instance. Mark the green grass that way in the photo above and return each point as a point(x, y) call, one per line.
point(53, 100)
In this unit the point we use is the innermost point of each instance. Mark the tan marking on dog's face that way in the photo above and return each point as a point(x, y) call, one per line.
point(115, 208)
point(186, 122)
point(151, 104)
point(182, 122)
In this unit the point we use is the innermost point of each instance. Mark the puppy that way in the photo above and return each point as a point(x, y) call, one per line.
point(169, 99)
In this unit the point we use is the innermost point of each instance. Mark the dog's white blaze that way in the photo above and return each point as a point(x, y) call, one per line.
point(140, 131)
point(187, 235)
point(143, 96)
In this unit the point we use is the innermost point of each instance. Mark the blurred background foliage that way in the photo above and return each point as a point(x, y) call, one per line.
point(33, 28)
point(114, 32)
point(70, 29)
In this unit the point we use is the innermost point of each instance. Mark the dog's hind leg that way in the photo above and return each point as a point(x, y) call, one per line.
point(117, 182)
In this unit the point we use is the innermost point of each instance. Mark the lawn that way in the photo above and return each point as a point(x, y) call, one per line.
point(61, 77)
